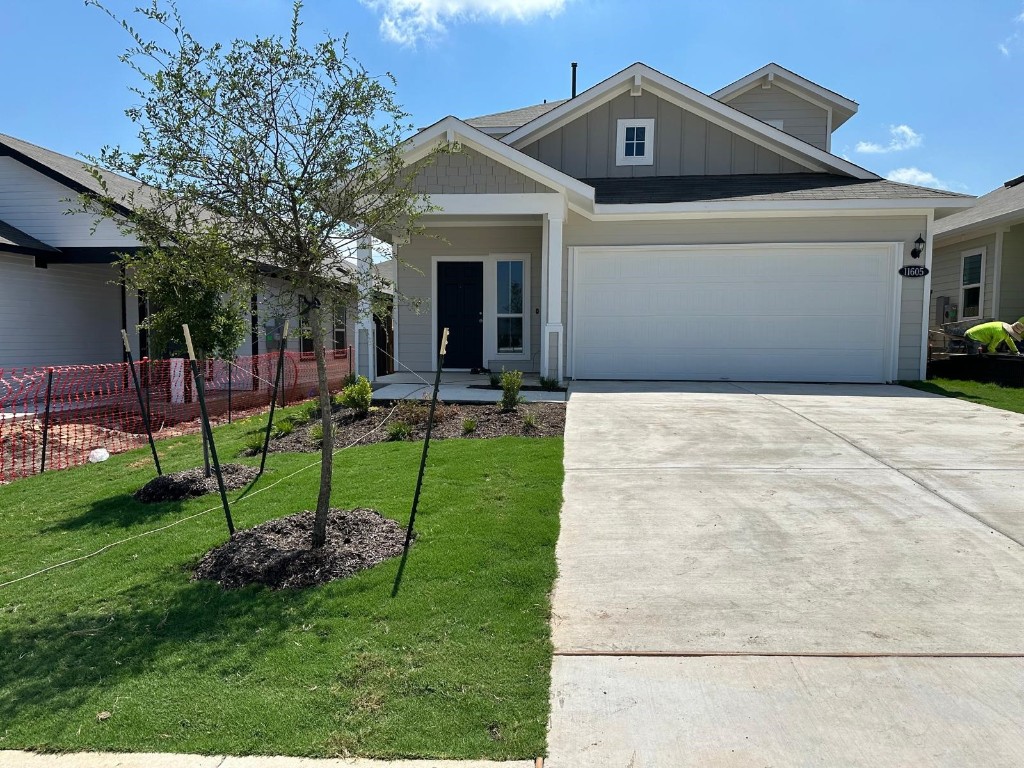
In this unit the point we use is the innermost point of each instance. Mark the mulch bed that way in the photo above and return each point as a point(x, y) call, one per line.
point(190, 483)
point(548, 420)
point(277, 554)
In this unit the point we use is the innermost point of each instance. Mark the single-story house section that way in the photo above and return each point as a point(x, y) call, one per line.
point(978, 266)
point(645, 230)
point(60, 297)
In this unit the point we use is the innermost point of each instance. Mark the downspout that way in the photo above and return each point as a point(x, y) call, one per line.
point(997, 275)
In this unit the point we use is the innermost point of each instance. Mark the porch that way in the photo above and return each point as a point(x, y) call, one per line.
point(456, 387)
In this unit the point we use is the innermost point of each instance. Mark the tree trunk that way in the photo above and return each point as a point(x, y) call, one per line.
point(323, 502)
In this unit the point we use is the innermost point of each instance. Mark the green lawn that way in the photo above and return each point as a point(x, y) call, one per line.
point(1006, 398)
point(456, 666)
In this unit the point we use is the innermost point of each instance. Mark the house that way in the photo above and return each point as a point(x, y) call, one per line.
point(62, 300)
point(978, 265)
point(645, 230)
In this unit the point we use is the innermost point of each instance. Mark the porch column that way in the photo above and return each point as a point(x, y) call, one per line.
point(552, 340)
point(365, 343)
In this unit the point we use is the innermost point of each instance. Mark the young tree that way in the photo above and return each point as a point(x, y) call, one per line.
point(289, 155)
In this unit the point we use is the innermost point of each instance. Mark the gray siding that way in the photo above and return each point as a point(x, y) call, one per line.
point(469, 172)
point(685, 144)
point(800, 118)
point(905, 229)
point(1011, 293)
point(414, 332)
point(946, 265)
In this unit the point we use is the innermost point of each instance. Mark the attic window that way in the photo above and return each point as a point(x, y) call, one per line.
point(634, 143)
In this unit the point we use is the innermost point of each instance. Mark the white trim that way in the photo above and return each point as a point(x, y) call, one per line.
point(929, 240)
point(490, 304)
point(624, 123)
point(997, 274)
point(964, 255)
point(828, 131)
point(692, 100)
point(498, 204)
point(658, 210)
point(894, 249)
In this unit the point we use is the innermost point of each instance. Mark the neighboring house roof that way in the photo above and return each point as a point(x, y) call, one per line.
point(755, 187)
point(13, 240)
point(1003, 205)
point(638, 77)
point(506, 122)
point(842, 108)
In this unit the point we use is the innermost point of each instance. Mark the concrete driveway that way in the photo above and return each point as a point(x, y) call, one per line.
point(773, 574)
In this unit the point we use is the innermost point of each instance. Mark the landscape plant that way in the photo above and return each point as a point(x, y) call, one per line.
point(511, 382)
point(357, 396)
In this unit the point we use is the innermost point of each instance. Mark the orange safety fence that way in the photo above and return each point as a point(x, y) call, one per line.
point(96, 406)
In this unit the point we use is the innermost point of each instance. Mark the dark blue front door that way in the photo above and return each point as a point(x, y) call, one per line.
point(460, 309)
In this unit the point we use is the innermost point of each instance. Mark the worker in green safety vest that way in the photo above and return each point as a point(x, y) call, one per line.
point(989, 336)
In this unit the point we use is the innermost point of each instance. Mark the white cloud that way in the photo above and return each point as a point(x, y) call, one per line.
point(1014, 40)
point(901, 137)
point(408, 21)
point(916, 177)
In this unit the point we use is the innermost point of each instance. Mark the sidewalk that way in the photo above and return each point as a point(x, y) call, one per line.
point(16, 759)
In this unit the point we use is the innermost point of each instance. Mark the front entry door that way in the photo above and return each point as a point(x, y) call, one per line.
point(460, 309)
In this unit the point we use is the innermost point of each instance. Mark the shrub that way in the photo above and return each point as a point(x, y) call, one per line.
point(529, 420)
point(468, 425)
point(495, 379)
point(349, 380)
point(316, 433)
point(357, 396)
point(398, 430)
point(549, 384)
point(307, 412)
point(254, 442)
point(511, 381)
point(283, 427)
point(417, 411)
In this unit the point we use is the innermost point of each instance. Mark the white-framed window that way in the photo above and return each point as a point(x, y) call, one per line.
point(634, 143)
point(340, 333)
point(972, 284)
point(509, 306)
point(776, 124)
point(306, 349)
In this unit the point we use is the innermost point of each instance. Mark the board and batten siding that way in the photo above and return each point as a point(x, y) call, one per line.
point(1011, 287)
point(470, 172)
point(946, 266)
point(801, 119)
point(414, 333)
point(580, 231)
point(38, 205)
point(684, 144)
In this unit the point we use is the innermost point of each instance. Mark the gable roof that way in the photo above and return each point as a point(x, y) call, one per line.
point(639, 76)
point(754, 187)
point(508, 121)
point(842, 108)
point(1003, 205)
point(13, 240)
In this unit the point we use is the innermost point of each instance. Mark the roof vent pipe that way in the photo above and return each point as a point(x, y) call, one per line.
point(574, 79)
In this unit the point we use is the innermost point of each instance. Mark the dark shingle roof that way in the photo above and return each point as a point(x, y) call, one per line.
point(12, 237)
point(514, 118)
point(755, 187)
point(1003, 204)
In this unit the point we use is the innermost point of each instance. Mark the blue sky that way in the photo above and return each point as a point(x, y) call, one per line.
point(940, 84)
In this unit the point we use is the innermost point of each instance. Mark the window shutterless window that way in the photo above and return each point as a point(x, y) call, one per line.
point(305, 337)
point(510, 313)
point(340, 337)
point(634, 143)
point(972, 284)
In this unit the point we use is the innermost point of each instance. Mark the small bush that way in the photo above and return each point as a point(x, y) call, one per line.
point(416, 412)
point(511, 381)
point(468, 426)
point(495, 379)
point(549, 384)
point(357, 396)
point(283, 428)
point(316, 433)
point(398, 430)
point(307, 412)
point(529, 420)
point(349, 380)
point(254, 442)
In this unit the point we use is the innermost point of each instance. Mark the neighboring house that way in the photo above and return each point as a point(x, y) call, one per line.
point(61, 298)
point(645, 230)
point(978, 266)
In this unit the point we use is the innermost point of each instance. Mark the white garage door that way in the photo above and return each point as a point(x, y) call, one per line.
point(808, 312)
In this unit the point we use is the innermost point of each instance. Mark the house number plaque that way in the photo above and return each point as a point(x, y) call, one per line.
point(913, 271)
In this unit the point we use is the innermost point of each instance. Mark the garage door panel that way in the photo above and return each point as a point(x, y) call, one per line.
point(743, 312)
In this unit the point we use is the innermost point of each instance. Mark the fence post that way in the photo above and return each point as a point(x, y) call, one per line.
point(423, 463)
point(230, 369)
point(273, 395)
point(46, 417)
point(142, 405)
point(207, 430)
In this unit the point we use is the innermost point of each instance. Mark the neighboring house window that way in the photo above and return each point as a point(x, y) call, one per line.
point(510, 307)
point(305, 337)
point(635, 142)
point(776, 123)
point(340, 336)
point(972, 282)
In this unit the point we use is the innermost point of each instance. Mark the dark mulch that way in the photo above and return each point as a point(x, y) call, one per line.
point(277, 554)
point(190, 483)
point(548, 420)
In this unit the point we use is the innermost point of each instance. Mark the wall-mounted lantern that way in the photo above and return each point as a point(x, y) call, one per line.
point(918, 249)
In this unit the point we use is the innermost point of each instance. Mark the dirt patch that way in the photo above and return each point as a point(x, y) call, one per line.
point(190, 483)
point(277, 554)
point(476, 420)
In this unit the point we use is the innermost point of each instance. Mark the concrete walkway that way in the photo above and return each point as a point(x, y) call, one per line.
point(14, 759)
point(787, 575)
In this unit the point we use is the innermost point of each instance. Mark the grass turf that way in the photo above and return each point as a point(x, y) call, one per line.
point(1005, 398)
point(457, 665)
